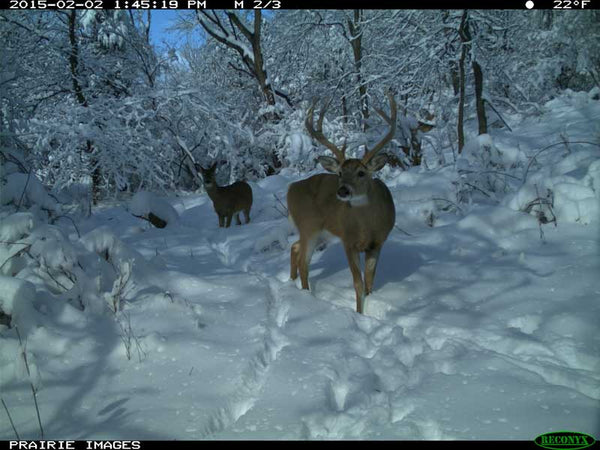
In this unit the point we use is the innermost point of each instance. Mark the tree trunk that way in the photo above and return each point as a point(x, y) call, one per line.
point(479, 102)
point(74, 60)
point(259, 68)
point(461, 78)
point(355, 28)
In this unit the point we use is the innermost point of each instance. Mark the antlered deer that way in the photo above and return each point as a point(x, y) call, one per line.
point(227, 200)
point(347, 203)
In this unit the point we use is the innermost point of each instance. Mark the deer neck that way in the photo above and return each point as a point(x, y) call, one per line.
point(211, 189)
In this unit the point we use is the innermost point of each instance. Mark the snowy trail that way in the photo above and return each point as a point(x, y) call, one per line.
point(253, 377)
point(223, 251)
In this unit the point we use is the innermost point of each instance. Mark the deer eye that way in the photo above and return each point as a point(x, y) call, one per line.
point(361, 173)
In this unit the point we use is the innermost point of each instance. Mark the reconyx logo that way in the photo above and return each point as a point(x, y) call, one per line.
point(564, 440)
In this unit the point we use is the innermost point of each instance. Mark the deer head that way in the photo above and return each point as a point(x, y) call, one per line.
point(354, 174)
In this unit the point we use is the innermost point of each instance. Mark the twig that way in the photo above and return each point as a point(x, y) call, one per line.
point(24, 249)
point(74, 226)
point(14, 243)
point(127, 336)
point(33, 390)
point(282, 205)
point(13, 160)
point(56, 281)
point(446, 200)
point(401, 230)
point(490, 171)
point(10, 419)
point(479, 189)
point(498, 114)
point(550, 146)
point(566, 142)
point(24, 189)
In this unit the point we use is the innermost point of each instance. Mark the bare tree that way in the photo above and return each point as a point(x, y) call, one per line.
point(235, 34)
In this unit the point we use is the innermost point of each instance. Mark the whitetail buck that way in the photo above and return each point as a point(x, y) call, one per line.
point(227, 200)
point(348, 203)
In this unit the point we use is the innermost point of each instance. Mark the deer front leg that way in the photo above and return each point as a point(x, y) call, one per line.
point(221, 220)
point(371, 258)
point(354, 264)
point(237, 218)
point(228, 218)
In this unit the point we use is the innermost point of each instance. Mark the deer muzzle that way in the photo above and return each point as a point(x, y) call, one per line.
point(344, 193)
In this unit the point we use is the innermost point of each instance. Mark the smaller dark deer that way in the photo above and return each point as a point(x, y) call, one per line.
point(227, 200)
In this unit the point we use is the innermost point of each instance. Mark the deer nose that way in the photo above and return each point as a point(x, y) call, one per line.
point(343, 192)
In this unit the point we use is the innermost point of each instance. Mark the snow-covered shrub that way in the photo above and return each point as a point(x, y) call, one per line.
point(92, 273)
point(423, 195)
point(488, 170)
point(78, 194)
point(117, 144)
point(572, 184)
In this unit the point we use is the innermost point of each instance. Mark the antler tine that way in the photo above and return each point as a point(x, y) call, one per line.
point(318, 133)
point(390, 134)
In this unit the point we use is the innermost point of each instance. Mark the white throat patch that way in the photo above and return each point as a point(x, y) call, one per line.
point(360, 200)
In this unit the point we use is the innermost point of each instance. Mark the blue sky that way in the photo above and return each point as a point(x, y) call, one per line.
point(161, 20)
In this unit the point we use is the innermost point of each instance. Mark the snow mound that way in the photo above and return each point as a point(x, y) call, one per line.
point(26, 190)
point(571, 188)
point(16, 300)
point(496, 222)
point(143, 203)
point(16, 226)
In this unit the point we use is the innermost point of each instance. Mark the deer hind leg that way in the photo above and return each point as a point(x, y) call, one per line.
point(307, 247)
point(354, 264)
point(221, 221)
point(247, 215)
point(237, 218)
point(371, 258)
point(294, 254)
point(228, 218)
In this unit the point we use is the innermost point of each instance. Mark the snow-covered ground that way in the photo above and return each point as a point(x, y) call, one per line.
point(482, 326)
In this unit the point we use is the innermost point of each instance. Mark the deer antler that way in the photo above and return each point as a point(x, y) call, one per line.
point(340, 154)
point(388, 137)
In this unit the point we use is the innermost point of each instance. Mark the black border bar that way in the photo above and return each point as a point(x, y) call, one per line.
point(559, 5)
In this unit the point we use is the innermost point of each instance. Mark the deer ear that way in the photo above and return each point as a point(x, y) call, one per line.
point(377, 162)
point(329, 164)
